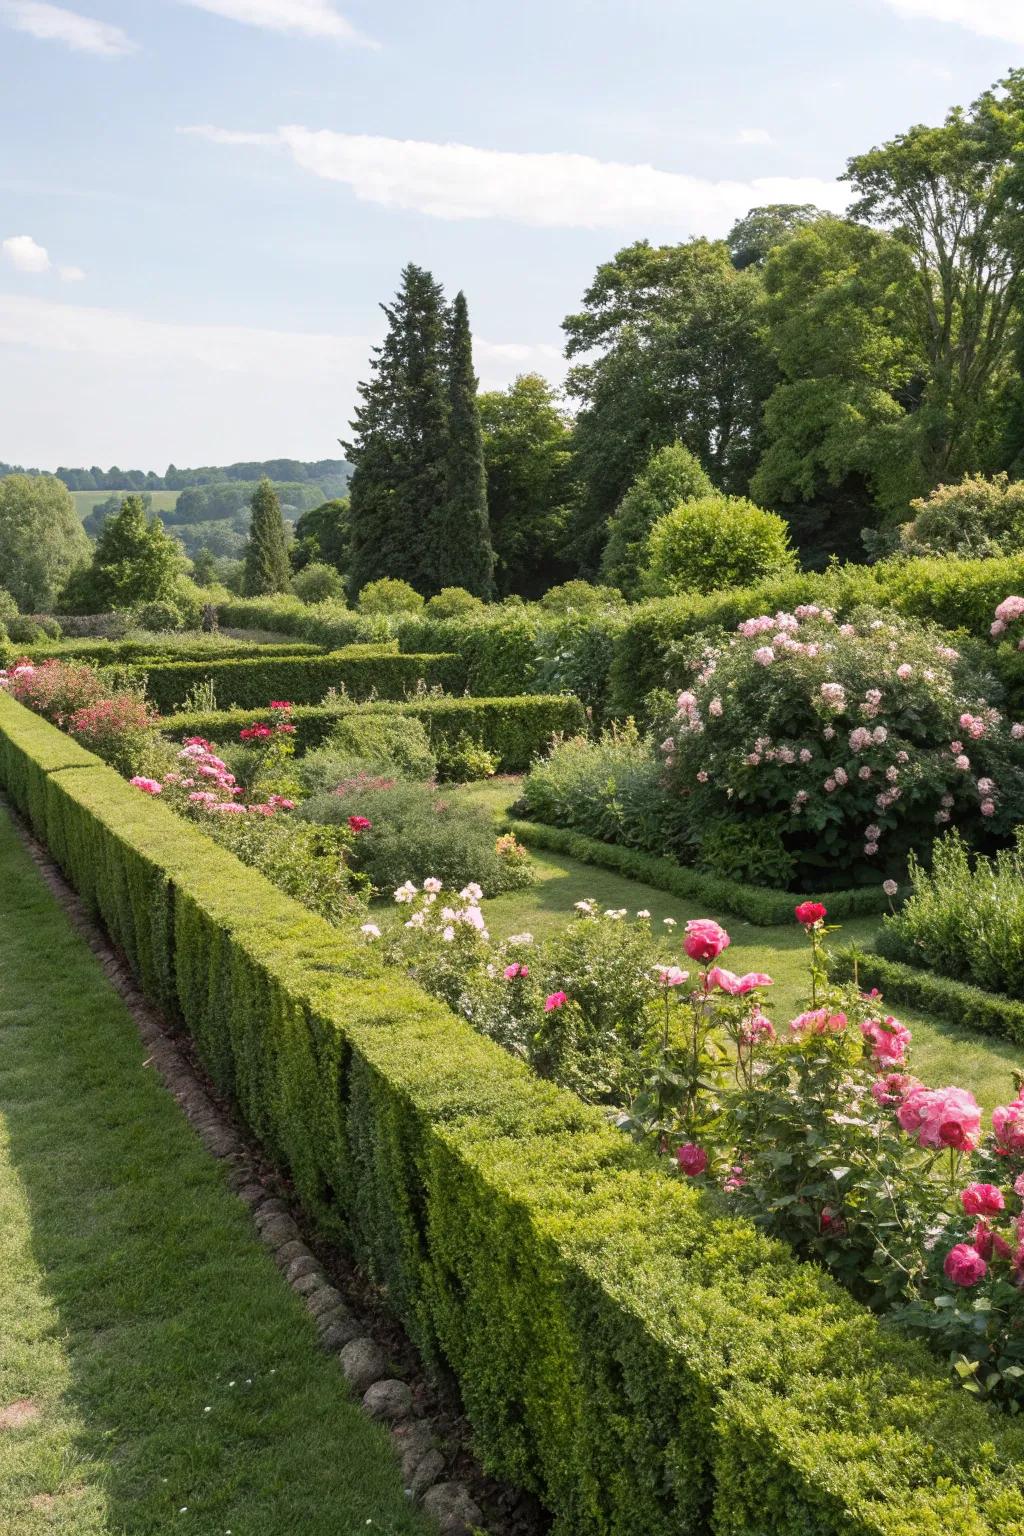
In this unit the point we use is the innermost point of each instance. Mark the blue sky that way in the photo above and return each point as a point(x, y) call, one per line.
point(203, 201)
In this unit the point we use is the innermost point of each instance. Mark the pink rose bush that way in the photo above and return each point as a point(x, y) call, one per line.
point(854, 741)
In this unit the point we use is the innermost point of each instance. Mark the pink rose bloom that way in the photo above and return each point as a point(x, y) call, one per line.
point(764, 655)
point(889, 1040)
point(1010, 608)
point(705, 939)
point(964, 1265)
point(736, 986)
point(715, 708)
point(230, 807)
point(982, 1200)
point(998, 628)
point(757, 1028)
point(671, 976)
point(148, 786)
point(870, 849)
point(692, 1159)
point(987, 808)
point(1008, 1127)
point(989, 1243)
point(904, 672)
point(818, 1021)
point(941, 1117)
point(555, 1000)
point(962, 762)
point(1017, 730)
point(512, 971)
point(893, 1088)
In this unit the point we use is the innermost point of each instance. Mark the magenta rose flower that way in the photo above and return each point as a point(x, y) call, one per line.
point(705, 939)
point(964, 1265)
point(982, 1200)
point(889, 1040)
point(1008, 1127)
point(735, 985)
point(810, 912)
point(941, 1117)
point(555, 1000)
point(692, 1159)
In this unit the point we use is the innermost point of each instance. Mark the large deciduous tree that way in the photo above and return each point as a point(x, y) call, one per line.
point(530, 485)
point(135, 561)
point(266, 554)
point(41, 539)
point(679, 357)
point(952, 196)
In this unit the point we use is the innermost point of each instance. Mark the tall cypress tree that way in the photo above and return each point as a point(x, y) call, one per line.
point(400, 442)
point(462, 537)
point(266, 554)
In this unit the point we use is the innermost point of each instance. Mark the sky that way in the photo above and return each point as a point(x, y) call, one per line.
point(203, 202)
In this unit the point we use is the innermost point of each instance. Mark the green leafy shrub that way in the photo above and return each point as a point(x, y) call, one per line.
point(310, 863)
point(964, 917)
point(388, 743)
point(318, 583)
point(739, 1386)
point(715, 542)
point(388, 596)
point(859, 740)
point(976, 517)
point(580, 597)
point(612, 789)
point(24, 630)
point(452, 603)
point(467, 760)
point(158, 616)
point(415, 831)
point(751, 851)
point(672, 475)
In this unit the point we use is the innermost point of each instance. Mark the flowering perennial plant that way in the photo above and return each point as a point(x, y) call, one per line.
point(814, 1127)
point(863, 738)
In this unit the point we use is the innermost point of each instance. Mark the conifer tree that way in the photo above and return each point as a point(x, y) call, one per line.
point(266, 554)
point(462, 537)
point(399, 449)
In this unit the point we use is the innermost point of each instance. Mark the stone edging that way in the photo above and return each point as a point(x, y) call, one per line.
point(417, 1437)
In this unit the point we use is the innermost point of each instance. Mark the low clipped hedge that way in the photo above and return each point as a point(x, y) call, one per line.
point(330, 624)
point(252, 681)
point(638, 1357)
point(957, 1002)
point(755, 903)
point(105, 653)
point(663, 637)
point(517, 729)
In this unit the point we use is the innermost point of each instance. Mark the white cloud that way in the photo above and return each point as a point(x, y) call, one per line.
point(458, 181)
point(309, 18)
point(754, 136)
point(54, 24)
point(72, 275)
point(25, 255)
point(1002, 19)
point(129, 389)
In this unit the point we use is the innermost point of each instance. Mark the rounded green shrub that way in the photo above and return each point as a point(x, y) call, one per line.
point(671, 476)
point(715, 542)
point(452, 603)
point(318, 583)
point(389, 595)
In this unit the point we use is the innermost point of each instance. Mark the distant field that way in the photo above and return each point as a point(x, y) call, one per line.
point(162, 501)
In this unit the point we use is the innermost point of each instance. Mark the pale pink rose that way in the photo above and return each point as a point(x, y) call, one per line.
point(1017, 730)
point(1008, 1127)
point(904, 672)
point(764, 656)
point(998, 628)
point(671, 976)
point(870, 849)
point(818, 1021)
point(715, 707)
point(864, 772)
point(987, 808)
point(737, 986)
point(893, 1088)
point(962, 762)
point(1009, 609)
point(889, 1040)
point(941, 1117)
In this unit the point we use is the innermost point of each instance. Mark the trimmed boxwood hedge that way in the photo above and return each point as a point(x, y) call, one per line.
point(957, 1001)
point(105, 653)
point(252, 681)
point(756, 903)
point(626, 1348)
point(516, 729)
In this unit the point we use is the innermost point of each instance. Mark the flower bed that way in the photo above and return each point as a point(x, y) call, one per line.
point(844, 746)
point(941, 997)
point(640, 1357)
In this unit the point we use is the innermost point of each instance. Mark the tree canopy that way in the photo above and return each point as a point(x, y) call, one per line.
point(41, 540)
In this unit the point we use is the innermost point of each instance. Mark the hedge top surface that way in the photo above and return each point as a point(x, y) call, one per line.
point(763, 1356)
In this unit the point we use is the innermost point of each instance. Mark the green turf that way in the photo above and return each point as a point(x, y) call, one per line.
point(176, 1379)
point(941, 1053)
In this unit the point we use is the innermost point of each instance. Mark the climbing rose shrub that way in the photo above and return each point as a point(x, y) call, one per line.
point(861, 739)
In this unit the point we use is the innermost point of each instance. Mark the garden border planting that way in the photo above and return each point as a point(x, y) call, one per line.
point(624, 1346)
point(515, 729)
point(757, 904)
point(956, 1001)
point(251, 681)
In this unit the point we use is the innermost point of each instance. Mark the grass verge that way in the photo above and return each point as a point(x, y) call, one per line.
point(168, 1378)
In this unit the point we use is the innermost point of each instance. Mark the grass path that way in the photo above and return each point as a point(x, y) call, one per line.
point(942, 1053)
point(156, 1374)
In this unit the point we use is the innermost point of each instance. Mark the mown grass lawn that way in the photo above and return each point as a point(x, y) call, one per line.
point(167, 1378)
point(941, 1053)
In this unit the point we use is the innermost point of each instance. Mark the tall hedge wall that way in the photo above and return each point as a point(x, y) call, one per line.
point(252, 681)
point(640, 1358)
point(516, 729)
